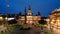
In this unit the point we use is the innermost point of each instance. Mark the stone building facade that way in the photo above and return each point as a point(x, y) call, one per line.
point(29, 18)
point(54, 19)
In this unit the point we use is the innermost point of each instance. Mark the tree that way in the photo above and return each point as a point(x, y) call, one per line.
point(43, 22)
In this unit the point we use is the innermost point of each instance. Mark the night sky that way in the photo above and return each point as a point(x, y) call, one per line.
point(15, 6)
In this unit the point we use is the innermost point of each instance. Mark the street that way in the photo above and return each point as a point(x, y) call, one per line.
point(33, 30)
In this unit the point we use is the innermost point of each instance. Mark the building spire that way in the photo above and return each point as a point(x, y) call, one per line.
point(38, 13)
point(29, 8)
point(20, 13)
point(29, 11)
point(25, 11)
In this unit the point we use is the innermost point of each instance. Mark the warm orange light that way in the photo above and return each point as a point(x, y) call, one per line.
point(6, 18)
point(1, 18)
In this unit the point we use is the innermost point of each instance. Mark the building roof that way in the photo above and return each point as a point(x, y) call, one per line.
point(55, 11)
point(29, 8)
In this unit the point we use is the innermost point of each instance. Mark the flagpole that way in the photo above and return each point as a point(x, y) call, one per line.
point(7, 12)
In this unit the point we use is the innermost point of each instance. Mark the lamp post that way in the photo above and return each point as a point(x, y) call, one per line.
point(1, 20)
point(6, 12)
point(50, 17)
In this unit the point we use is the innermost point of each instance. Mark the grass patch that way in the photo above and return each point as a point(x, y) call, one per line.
point(1, 33)
point(13, 26)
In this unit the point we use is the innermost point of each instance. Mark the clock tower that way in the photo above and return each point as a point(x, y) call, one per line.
point(29, 11)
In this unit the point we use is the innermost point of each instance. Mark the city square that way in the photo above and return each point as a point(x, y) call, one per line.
point(29, 17)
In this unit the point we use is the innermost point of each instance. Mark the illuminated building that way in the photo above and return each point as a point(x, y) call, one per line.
point(54, 19)
point(28, 17)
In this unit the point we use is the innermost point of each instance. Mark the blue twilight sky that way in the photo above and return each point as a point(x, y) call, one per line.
point(15, 6)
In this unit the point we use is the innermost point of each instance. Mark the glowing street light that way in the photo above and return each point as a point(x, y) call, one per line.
point(1, 18)
point(6, 18)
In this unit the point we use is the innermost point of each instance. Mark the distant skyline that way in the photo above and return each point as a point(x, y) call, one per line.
point(15, 6)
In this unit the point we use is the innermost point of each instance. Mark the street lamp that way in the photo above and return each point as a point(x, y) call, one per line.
point(1, 20)
point(6, 18)
point(7, 5)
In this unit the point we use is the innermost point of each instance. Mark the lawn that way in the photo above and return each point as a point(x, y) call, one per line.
point(1, 33)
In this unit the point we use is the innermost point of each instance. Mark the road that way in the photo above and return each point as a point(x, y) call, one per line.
point(33, 30)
